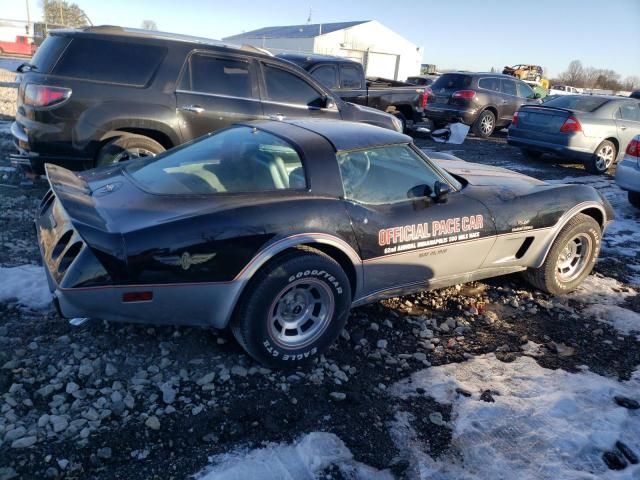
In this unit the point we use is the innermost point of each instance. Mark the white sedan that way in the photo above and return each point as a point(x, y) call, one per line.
point(628, 172)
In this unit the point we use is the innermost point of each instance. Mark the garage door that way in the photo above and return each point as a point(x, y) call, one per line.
point(383, 65)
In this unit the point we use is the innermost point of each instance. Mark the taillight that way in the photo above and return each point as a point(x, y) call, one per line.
point(45, 96)
point(466, 94)
point(571, 124)
point(137, 297)
point(633, 149)
point(423, 99)
point(514, 120)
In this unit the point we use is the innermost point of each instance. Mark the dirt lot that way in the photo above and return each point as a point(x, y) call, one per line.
point(485, 380)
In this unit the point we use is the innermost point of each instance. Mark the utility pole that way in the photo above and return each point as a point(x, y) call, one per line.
point(28, 17)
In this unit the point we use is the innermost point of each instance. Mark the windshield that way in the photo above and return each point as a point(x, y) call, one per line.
point(580, 103)
point(452, 80)
point(239, 159)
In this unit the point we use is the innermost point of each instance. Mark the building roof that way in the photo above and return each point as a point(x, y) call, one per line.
point(296, 31)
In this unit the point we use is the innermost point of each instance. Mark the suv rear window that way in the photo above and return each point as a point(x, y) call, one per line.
point(127, 63)
point(581, 103)
point(48, 53)
point(452, 80)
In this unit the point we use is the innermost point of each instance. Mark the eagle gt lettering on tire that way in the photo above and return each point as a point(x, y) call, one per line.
point(293, 309)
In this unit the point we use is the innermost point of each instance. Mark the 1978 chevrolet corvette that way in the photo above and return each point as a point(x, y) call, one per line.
point(278, 228)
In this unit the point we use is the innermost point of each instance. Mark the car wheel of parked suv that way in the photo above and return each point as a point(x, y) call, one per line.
point(634, 199)
point(293, 309)
point(485, 124)
point(531, 154)
point(571, 258)
point(126, 148)
point(602, 158)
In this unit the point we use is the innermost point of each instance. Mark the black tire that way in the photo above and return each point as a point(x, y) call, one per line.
point(402, 119)
point(127, 147)
point(548, 277)
point(531, 154)
point(485, 124)
point(255, 324)
point(634, 199)
point(602, 159)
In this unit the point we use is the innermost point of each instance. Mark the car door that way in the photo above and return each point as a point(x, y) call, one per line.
point(286, 94)
point(509, 101)
point(214, 91)
point(525, 94)
point(406, 238)
point(627, 123)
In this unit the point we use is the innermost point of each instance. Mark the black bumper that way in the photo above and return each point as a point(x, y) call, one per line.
point(450, 115)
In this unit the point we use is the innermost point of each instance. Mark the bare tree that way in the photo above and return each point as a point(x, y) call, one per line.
point(631, 83)
point(574, 75)
point(61, 12)
point(149, 25)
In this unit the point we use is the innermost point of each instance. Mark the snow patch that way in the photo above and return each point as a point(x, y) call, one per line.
point(27, 284)
point(305, 459)
point(543, 425)
point(603, 297)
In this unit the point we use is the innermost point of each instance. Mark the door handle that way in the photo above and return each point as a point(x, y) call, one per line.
point(623, 127)
point(277, 116)
point(197, 109)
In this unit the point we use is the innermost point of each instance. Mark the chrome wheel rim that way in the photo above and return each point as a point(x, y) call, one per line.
point(574, 257)
point(604, 157)
point(132, 153)
point(486, 124)
point(300, 313)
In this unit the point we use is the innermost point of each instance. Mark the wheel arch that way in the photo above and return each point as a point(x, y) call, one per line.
point(160, 137)
point(336, 248)
point(591, 209)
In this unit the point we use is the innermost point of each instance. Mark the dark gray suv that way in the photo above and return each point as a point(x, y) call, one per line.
point(486, 101)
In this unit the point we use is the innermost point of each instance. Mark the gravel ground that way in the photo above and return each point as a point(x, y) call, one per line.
point(7, 102)
point(114, 401)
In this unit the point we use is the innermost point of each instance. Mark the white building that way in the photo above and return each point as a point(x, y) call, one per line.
point(381, 51)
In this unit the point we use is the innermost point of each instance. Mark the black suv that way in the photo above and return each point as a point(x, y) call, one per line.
point(99, 95)
point(486, 101)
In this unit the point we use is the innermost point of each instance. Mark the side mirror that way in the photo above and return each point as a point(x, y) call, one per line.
point(537, 95)
point(330, 104)
point(420, 191)
point(442, 191)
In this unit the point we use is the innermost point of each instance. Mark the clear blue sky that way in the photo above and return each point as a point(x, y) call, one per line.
point(474, 35)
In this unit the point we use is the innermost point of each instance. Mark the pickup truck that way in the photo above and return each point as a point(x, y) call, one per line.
point(346, 78)
point(563, 90)
point(21, 46)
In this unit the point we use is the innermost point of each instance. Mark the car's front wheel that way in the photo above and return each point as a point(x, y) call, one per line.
point(127, 147)
point(634, 199)
point(603, 157)
point(571, 258)
point(293, 309)
point(485, 124)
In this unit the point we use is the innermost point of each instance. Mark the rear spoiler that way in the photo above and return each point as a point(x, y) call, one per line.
point(544, 107)
point(75, 196)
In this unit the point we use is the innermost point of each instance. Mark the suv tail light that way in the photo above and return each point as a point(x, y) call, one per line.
point(571, 124)
point(424, 99)
point(514, 120)
point(466, 94)
point(633, 150)
point(45, 96)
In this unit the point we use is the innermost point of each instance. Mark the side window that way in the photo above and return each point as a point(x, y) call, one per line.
point(221, 76)
point(630, 111)
point(492, 84)
point(127, 63)
point(509, 87)
point(285, 87)
point(384, 175)
point(350, 77)
point(525, 90)
point(327, 75)
point(235, 160)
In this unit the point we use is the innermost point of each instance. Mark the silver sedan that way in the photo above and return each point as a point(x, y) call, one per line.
point(594, 130)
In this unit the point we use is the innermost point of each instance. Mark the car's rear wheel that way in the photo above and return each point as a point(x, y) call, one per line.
point(485, 124)
point(603, 157)
point(634, 199)
point(293, 309)
point(571, 258)
point(531, 154)
point(127, 147)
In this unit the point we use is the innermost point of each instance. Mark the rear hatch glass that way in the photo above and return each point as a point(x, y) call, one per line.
point(48, 53)
point(448, 83)
point(550, 116)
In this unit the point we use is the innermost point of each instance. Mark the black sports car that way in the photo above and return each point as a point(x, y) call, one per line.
point(278, 228)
